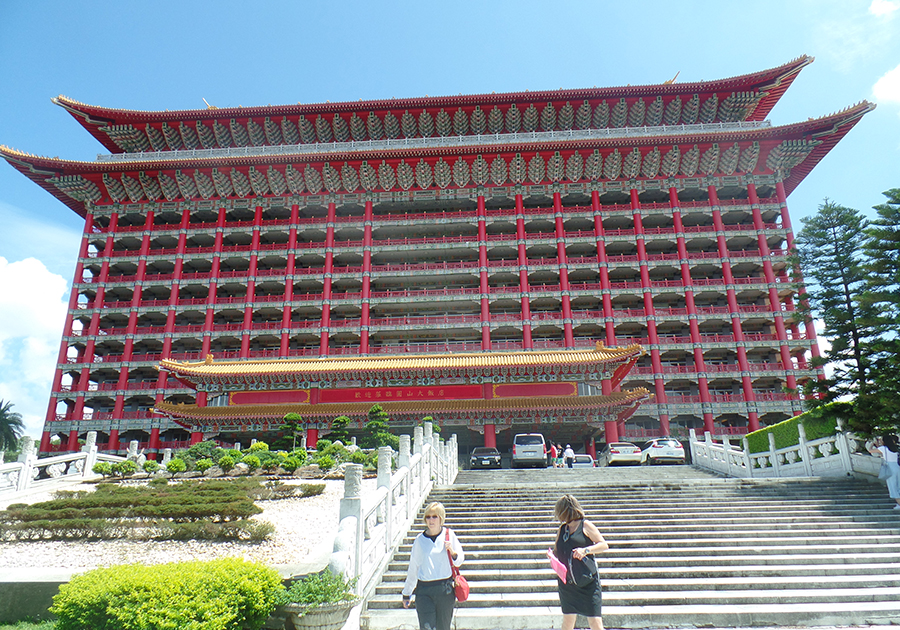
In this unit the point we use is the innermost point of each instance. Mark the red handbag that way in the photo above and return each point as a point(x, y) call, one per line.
point(460, 584)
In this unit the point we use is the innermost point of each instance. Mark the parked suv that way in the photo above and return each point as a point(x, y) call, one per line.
point(529, 449)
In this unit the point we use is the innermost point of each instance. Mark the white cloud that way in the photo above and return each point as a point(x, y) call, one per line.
point(887, 88)
point(881, 8)
point(33, 304)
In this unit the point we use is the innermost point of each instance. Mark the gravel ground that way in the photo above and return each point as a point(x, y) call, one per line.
point(304, 534)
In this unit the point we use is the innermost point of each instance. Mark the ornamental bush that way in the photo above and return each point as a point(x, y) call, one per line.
point(151, 466)
point(176, 465)
point(226, 462)
point(787, 433)
point(102, 468)
point(257, 447)
point(123, 469)
point(300, 454)
point(204, 464)
point(322, 444)
point(226, 594)
point(325, 462)
point(290, 464)
point(252, 461)
point(317, 589)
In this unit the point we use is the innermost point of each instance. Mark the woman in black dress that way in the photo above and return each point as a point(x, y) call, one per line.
point(576, 542)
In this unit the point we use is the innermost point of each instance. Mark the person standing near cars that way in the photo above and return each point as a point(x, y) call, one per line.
point(577, 541)
point(888, 448)
point(553, 454)
point(569, 456)
point(429, 574)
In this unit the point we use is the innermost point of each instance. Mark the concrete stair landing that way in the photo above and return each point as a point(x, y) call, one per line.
point(687, 550)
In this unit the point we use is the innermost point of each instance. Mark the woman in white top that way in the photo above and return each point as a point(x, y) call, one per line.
point(889, 448)
point(430, 576)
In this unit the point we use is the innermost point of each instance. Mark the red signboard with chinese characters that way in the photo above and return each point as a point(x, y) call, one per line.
point(435, 392)
point(377, 394)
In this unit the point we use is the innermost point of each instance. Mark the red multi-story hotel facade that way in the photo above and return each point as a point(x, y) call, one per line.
point(653, 215)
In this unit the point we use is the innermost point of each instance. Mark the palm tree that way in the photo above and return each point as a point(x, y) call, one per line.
point(11, 426)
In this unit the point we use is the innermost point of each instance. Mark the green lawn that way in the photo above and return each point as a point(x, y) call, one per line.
point(27, 625)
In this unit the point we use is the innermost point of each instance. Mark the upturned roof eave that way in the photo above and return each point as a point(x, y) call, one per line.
point(776, 80)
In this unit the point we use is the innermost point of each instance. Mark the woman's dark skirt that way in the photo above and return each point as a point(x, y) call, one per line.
point(585, 600)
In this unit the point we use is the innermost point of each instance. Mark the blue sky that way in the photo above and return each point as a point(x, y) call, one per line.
point(171, 55)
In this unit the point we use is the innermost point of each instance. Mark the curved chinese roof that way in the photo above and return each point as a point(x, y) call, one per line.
point(554, 362)
point(748, 97)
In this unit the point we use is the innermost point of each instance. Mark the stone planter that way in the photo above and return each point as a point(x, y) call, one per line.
point(324, 617)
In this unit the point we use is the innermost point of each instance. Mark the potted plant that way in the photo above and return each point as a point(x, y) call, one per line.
point(319, 601)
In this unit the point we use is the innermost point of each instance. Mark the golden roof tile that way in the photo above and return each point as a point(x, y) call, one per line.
point(422, 362)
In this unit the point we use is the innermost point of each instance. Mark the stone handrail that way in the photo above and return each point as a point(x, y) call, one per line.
point(831, 456)
point(31, 473)
point(371, 528)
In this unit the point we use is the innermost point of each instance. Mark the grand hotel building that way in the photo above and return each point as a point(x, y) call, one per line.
point(523, 223)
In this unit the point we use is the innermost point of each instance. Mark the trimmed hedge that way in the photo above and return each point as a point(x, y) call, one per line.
point(227, 594)
point(817, 423)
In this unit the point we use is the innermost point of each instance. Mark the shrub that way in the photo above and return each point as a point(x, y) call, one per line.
point(311, 489)
point(151, 466)
point(227, 594)
point(336, 451)
point(290, 464)
point(300, 454)
point(320, 588)
point(252, 461)
point(203, 450)
point(204, 464)
point(256, 447)
point(226, 462)
point(176, 465)
point(272, 463)
point(102, 468)
point(322, 444)
point(123, 469)
point(787, 433)
point(325, 462)
point(358, 457)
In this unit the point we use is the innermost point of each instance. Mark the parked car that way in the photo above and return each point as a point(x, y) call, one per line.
point(529, 449)
point(583, 461)
point(619, 453)
point(485, 457)
point(662, 450)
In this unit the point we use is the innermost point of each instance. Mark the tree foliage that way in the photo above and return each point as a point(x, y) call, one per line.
point(292, 425)
point(11, 426)
point(853, 277)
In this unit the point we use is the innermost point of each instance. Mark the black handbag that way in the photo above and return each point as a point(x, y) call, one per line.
point(582, 572)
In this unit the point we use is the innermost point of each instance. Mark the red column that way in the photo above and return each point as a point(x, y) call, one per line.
point(366, 280)
point(699, 363)
point(72, 442)
point(524, 286)
point(649, 312)
point(213, 282)
point(312, 437)
point(798, 276)
point(774, 300)
point(196, 437)
point(611, 431)
point(113, 441)
point(153, 447)
point(483, 277)
point(326, 282)
point(289, 283)
point(490, 435)
point(247, 328)
point(603, 263)
point(563, 271)
point(734, 311)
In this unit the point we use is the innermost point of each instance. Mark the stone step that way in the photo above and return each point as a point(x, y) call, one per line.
point(484, 584)
point(638, 617)
point(550, 597)
point(700, 551)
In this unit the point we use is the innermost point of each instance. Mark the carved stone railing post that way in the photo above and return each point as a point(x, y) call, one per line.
point(804, 450)
point(403, 458)
point(385, 514)
point(90, 447)
point(27, 458)
point(843, 445)
point(748, 461)
point(351, 510)
point(417, 440)
point(773, 455)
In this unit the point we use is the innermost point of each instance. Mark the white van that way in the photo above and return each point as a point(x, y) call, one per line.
point(529, 449)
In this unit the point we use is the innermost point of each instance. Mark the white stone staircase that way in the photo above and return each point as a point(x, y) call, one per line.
point(687, 549)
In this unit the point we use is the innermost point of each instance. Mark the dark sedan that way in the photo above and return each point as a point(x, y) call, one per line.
point(485, 457)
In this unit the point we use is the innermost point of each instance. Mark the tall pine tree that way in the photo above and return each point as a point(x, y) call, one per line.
point(830, 250)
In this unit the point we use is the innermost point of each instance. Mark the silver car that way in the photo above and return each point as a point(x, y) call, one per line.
point(619, 453)
point(529, 449)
